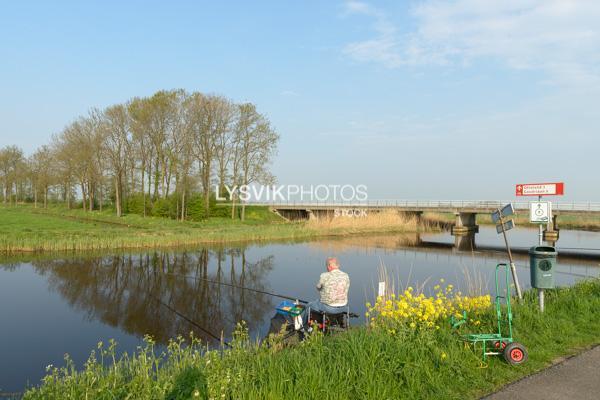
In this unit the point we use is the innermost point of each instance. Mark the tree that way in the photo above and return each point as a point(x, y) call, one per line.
point(41, 174)
point(140, 120)
point(257, 144)
point(116, 147)
point(11, 160)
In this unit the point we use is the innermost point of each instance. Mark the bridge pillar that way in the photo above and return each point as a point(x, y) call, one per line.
point(464, 242)
point(551, 233)
point(465, 223)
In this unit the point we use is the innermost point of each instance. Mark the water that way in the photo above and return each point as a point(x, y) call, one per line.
point(52, 306)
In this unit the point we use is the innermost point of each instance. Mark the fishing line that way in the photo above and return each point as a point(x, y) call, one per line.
point(238, 287)
point(189, 320)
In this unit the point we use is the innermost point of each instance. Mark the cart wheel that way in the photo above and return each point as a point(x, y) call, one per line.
point(499, 345)
point(515, 353)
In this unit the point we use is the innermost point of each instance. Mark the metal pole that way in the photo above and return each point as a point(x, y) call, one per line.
point(541, 242)
point(513, 269)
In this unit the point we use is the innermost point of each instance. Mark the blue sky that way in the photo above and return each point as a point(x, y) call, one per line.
point(415, 99)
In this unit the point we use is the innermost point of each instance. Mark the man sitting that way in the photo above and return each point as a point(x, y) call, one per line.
point(333, 289)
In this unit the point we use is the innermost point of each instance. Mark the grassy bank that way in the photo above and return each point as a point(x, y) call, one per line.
point(575, 221)
point(27, 229)
point(373, 362)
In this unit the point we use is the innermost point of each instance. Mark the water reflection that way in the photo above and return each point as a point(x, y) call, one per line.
point(122, 290)
point(50, 306)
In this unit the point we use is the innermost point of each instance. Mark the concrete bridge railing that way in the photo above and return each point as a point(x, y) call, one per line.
point(484, 205)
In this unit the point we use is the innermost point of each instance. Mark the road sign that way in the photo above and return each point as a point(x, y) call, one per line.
point(540, 211)
point(540, 189)
point(508, 225)
point(504, 212)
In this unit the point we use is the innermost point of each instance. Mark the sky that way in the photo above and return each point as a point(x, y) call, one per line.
point(422, 99)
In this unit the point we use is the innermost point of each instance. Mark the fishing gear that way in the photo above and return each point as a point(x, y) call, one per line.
point(189, 320)
point(350, 314)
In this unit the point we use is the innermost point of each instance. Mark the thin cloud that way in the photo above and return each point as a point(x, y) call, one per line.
point(289, 93)
point(559, 37)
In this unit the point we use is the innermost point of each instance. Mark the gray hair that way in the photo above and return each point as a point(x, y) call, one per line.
point(332, 262)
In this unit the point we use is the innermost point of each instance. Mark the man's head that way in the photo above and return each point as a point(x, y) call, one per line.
point(332, 263)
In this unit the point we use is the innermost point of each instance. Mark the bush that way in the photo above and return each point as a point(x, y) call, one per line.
point(134, 204)
point(165, 207)
point(197, 212)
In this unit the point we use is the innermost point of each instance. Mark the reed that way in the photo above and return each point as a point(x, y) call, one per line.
point(383, 221)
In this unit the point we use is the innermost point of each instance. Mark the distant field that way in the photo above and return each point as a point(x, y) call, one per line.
point(27, 229)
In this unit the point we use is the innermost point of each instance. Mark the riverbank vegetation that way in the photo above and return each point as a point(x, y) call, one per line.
point(24, 228)
point(393, 357)
point(377, 222)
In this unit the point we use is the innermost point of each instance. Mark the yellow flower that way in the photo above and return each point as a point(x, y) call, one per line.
point(443, 356)
point(413, 325)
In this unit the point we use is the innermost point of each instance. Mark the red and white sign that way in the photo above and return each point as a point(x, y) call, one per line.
point(540, 189)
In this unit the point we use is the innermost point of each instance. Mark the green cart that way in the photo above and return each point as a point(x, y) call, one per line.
point(497, 343)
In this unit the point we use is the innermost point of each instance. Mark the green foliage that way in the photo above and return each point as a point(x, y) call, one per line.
point(362, 363)
point(197, 211)
point(134, 204)
point(166, 208)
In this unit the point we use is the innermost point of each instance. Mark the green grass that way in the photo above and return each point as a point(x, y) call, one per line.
point(27, 229)
point(363, 363)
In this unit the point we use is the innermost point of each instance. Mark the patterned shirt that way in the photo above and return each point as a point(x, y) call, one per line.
point(333, 287)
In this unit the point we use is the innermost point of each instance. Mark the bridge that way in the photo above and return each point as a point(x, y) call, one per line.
point(465, 211)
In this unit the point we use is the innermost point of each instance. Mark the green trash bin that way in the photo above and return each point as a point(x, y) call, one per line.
point(542, 261)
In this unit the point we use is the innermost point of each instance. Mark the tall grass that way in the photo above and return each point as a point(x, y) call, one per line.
point(385, 220)
point(364, 363)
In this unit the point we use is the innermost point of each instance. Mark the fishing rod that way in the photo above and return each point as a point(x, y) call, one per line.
point(189, 320)
point(192, 322)
point(351, 315)
point(239, 287)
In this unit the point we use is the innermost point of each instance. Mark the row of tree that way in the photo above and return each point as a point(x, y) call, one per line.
point(172, 145)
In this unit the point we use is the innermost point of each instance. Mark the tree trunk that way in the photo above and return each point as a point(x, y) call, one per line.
point(45, 197)
point(84, 197)
point(232, 206)
point(118, 195)
point(91, 197)
point(183, 205)
point(143, 188)
point(100, 196)
point(68, 194)
point(206, 184)
point(156, 179)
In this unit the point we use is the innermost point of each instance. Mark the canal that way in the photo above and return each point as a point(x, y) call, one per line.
point(50, 306)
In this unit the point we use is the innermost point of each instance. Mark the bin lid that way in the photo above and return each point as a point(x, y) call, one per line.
point(543, 250)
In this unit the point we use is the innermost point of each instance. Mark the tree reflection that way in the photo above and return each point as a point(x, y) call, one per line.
point(122, 290)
